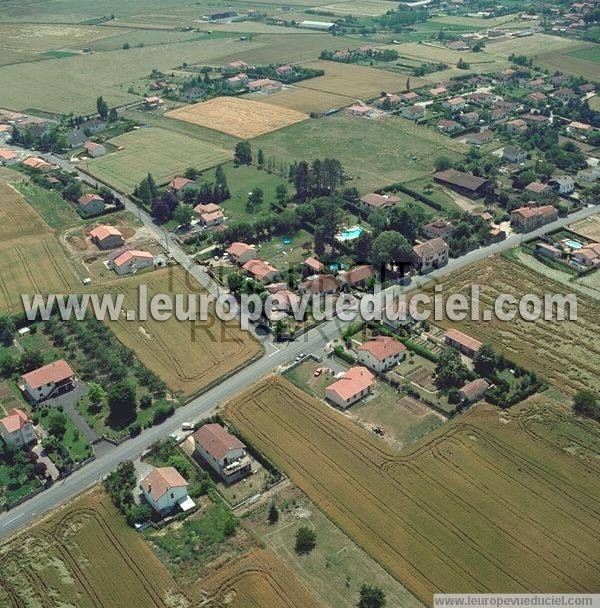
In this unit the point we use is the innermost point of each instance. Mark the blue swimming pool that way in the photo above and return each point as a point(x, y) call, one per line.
point(349, 234)
point(572, 244)
point(287, 240)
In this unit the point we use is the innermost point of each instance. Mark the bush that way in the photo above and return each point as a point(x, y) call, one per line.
point(162, 413)
point(145, 402)
point(135, 429)
point(306, 540)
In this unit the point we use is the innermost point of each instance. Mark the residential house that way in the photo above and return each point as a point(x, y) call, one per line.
point(34, 162)
point(413, 112)
point(360, 110)
point(559, 80)
point(514, 154)
point(397, 315)
point(48, 381)
point(514, 127)
point(495, 235)
point(240, 253)
point(579, 128)
point(264, 85)
point(526, 219)
point(587, 256)
point(448, 126)
point(284, 70)
point(537, 84)
point(438, 229)
point(437, 91)
point(535, 119)
point(454, 104)
point(93, 125)
point(210, 219)
point(8, 157)
point(235, 65)
point(458, 45)
point(90, 204)
point(409, 97)
point(431, 254)
point(223, 452)
point(480, 138)
point(505, 75)
point(389, 100)
point(351, 387)
point(76, 138)
point(106, 237)
point(93, 149)
point(285, 300)
point(473, 391)
point(237, 81)
point(462, 342)
point(314, 265)
point(498, 114)
point(153, 103)
point(179, 185)
point(482, 99)
point(206, 208)
point(5, 132)
point(563, 184)
point(537, 97)
point(588, 87)
point(464, 183)
point(357, 276)
point(564, 95)
point(165, 490)
point(537, 190)
point(325, 284)
point(548, 251)
point(468, 118)
point(381, 353)
point(130, 261)
point(379, 201)
point(261, 271)
point(589, 176)
point(17, 429)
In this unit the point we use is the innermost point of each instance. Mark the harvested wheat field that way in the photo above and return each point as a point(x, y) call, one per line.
point(258, 580)
point(17, 218)
point(85, 556)
point(241, 118)
point(590, 227)
point(565, 353)
point(469, 509)
point(304, 100)
point(187, 357)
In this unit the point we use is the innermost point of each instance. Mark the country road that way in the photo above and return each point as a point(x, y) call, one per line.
point(276, 355)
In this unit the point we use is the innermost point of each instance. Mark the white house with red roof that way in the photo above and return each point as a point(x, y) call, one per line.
point(165, 489)
point(106, 237)
point(261, 271)
point(90, 204)
point(355, 384)
point(130, 261)
point(240, 253)
point(16, 428)
point(178, 185)
point(48, 381)
point(314, 265)
point(381, 353)
point(93, 149)
point(223, 452)
point(463, 342)
point(8, 157)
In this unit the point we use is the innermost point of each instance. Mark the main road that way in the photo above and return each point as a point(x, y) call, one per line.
point(274, 359)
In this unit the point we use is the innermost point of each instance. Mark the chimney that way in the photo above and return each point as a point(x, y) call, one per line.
point(149, 487)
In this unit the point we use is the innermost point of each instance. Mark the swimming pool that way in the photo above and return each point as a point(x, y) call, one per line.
point(349, 234)
point(572, 244)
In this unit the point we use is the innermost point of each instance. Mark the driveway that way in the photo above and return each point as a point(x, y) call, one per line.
point(68, 401)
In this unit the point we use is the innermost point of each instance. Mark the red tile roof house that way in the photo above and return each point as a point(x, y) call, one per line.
point(438, 228)
point(48, 381)
point(431, 254)
point(437, 91)
point(240, 253)
point(90, 204)
point(261, 271)
point(239, 80)
point(514, 154)
point(474, 390)
point(238, 64)
point(355, 384)
point(284, 70)
point(413, 112)
point(313, 265)
point(448, 126)
point(360, 110)
point(537, 190)
point(265, 85)
point(456, 103)
point(462, 342)
point(93, 149)
point(516, 126)
point(564, 95)
point(8, 157)
point(106, 237)
point(223, 452)
point(410, 96)
point(394, 100)
point(588, 256)
point(323, 285)
point(526, 219)
point(212, 218)
point(356, 277)
point(381, 353)
point(207, 208)
point(178, 185)
point(130, 261)
point(285, 300)
point(468, 118)
point(16, 429)
point(165, 490)
point(153, 103)
point(379, 201)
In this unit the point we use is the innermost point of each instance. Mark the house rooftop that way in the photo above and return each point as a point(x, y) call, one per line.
point(237, 249)
point(313, 264)
point(48, 374)
point(474, 388)
point(354, 381)
point(177, 183)
point(129, 255)
point(161, 480)
point(86, 199)
point(217, 441)
point(357, 274)
point(431, 248)
point(379, 200)
point(104, 231)
point(463, 180)
point(382, 347)
point(15, 421)
point(324, 283)
point(258, 268)
point(463, 339)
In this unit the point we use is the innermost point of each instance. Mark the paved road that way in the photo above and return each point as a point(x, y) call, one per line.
point(276, 356)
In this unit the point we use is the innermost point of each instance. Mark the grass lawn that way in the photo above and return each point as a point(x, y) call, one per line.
point(57, 212)
point(162, 153)
point(282, 255)
point(373, 152)
point(439, 195)
point(587, 53)
point(14, 484)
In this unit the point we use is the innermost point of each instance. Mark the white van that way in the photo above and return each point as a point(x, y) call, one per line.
point(187, 426)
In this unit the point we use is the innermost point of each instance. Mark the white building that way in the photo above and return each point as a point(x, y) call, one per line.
point(381, 353)
point(562, 184)
point(431, 254)
point(129, 262)
point(355, 384)
point(165, 489)
point(48, 381)
point(16, 429)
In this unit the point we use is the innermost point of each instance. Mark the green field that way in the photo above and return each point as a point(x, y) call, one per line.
point(55, 211)
point(374, 153)
point(587, 53)
point(162, 153)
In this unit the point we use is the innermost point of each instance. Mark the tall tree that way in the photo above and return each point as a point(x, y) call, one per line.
point(122, 402)
point(7, 328)
point(102, 107)
point(301, 180)
point(371, 597)
point(243, 153)
point(391, 247)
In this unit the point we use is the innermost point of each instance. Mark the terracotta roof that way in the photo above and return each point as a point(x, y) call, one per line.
point(207, 208)
point(91, 145)
point(35, 163)
point(88, 198)
point(357, 274)
point(383, 347)
point(354, 381)
point(161, 480)
point(217, 441)
point(237, 249)
point(15, 421)
point(445, 123)
point(455, 101)
point(103, 232)
point(285, 298)
point(525, 212)
point(8, 154)
point(463, 339)
point(258, 268)
point(177, 183)
point(326, 282)
point(314, 264)
point(51, 373)
point(536, 187)
point(211, 215)
point(432, 247)
point(473, 389)
point(128, 256)
point(379, 200)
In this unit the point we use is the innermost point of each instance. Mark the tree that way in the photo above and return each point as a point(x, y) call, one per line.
point(586, 404)
point(243, 153)
point(407, 220)
point(260, 159)
point(255, 199)
point(57, 424)
point(113, 115)
point(485, 360)
point(220, 177)
point(391, 247)
point(147, 190)
point(273, 516)
point(73, 190)
point(102, 107)
point(122, 402)
point(183, 215)
point(301, 179)
point(378, 220)
point(191, 173)
point(281, 193)
point(7, 329)
point(371, 597)
point(306, 540)
point(95, 393)
point(450, 371)
point(234, 281)
point(126, 46)
point(362, 247)
point(31, 358)
point(441, 163)
point(139, 514)
point(407, 85)
point(462, 64)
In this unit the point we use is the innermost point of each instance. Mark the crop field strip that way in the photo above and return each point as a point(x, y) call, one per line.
point(431, 546)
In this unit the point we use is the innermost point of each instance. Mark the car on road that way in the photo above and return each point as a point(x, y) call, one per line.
point(300, 356)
